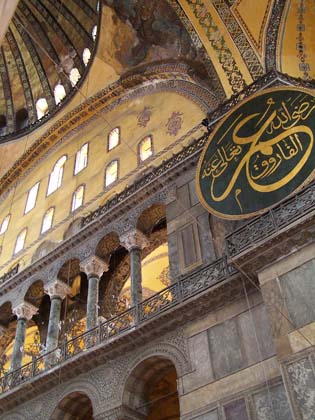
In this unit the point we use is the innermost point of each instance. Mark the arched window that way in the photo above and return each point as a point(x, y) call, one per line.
point(48, 219)
point(74, 76)
point(145, 148)
point(60, 93)
point(94, 32)
point(41, 107)
point(5, 224)
point(86, 56)
point(113, 138)
point(20, 241)
point(111, 173)
point(55, 178)
point(31, 198)
point(77, 198)
point(81, 159)
point(21, 119)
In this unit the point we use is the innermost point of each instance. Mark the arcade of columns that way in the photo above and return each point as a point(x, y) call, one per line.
point(134, 241)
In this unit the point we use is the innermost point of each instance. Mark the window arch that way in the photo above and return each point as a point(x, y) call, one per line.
point(145, 148)
point(5, 224)
point(74, 76)
point(111, 173)
point(77, 198)
point(48, 220)
point(55, 178)
point(31, 198)
point(20, 241)
point(113, 138)
point(81, 158)
point(41, 107)
point(59, 93)
point(86, 56)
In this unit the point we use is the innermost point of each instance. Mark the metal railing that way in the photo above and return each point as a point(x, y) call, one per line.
point(274, 220)
point(187, 287)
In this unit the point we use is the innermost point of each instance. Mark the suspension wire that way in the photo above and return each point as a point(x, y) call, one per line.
point(100, 113)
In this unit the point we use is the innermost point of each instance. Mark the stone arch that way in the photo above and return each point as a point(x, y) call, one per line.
point(146, 371)
point(107, 245)
point(69, 270)
point(150, 217)
point(74, 406)
point(43, 249)
point(73, 228)
point(83, 386)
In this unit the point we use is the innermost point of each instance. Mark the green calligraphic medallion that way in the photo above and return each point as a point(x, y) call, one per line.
point(259, 154)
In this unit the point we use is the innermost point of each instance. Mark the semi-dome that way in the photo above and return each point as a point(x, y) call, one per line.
point(43, 59)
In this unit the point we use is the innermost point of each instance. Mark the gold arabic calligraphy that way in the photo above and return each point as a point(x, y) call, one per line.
point(291, 139)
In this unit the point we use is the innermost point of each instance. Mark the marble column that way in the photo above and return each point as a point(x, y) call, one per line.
point(57, 290)
point(134, 241)
point(24, 312)
point(93, 267)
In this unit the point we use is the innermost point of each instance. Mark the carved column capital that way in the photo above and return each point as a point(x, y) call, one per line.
point(134, 239)
point(25, 310)
point(94, 265)
point(57, 288)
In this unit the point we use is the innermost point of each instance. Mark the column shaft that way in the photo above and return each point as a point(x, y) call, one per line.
point(135, 276)
point(92, 302)
point(20, 334)
point(53, 323)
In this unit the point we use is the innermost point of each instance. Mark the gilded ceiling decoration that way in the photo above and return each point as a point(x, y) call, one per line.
point(43, 48)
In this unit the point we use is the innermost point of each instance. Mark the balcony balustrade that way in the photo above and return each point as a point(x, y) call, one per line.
point(185, 288)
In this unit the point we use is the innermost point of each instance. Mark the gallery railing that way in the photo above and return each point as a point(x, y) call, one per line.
point(273, 221)
point(187, 287)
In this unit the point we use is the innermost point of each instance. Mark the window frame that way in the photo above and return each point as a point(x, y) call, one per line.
point(28, 197)
point(117, 177)
point(23, 247)
point(83, 197)
point(52, 220)
point(140, 161)
point(119, 137)
point(9, 216)
point(51, 172)
point(87, 158)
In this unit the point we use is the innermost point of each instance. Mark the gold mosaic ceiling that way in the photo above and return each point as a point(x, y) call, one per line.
point(44, 42)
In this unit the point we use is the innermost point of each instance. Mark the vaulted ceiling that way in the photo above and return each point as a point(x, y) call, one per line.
point(44, 41)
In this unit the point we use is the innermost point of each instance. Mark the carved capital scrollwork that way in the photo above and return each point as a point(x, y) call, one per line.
point(94, 265)
point(25, 310)
point(57, 288)
point(134, 239)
